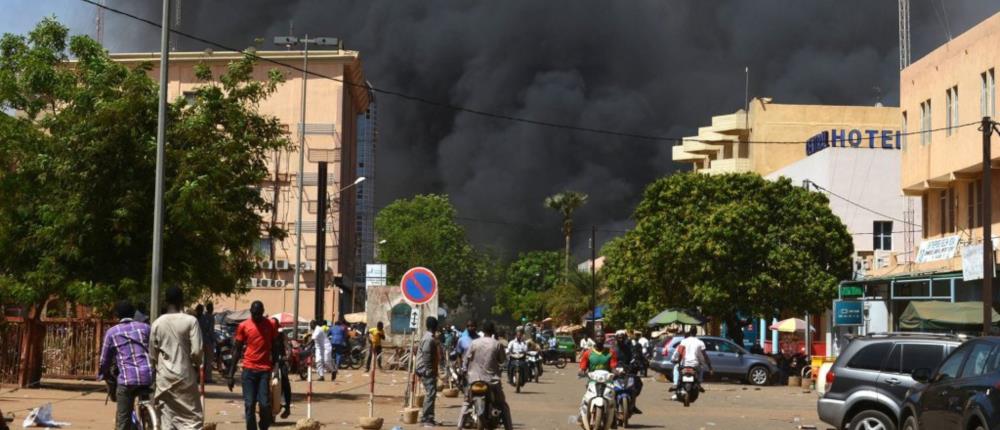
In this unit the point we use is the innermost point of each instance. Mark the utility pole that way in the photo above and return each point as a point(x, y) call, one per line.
point(321, 242)
point(290, 41)
point(593, 279)
point(988, 258)
point(161, 137)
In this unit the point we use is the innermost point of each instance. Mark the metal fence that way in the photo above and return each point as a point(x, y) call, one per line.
point(70, 350)
point(10, 351)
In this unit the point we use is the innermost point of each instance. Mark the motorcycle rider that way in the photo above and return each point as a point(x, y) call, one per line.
point(517, 345)
point(482, 362)
point(629, 355)
point(694, 356)
point(595, 358)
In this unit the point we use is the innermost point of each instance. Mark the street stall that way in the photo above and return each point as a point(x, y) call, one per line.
point(939, 316)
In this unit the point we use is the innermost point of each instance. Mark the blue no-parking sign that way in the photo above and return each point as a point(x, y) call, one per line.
point(419, 285)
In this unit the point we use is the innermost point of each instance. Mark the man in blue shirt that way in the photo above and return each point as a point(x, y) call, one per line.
point(465, 340)
point(338, 340)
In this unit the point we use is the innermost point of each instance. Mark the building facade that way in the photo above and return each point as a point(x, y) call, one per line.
point(332, 121)
point(943, 97)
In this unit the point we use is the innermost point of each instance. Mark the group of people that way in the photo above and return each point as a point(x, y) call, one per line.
point(331, 344)
point(624, 354)
point(164, 360)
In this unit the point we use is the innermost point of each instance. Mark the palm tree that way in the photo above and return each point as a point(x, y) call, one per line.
point(566, 203)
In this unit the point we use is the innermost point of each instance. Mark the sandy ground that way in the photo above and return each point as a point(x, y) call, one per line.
point(550, 404)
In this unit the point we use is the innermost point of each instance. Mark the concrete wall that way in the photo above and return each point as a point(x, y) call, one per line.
point(381, 300)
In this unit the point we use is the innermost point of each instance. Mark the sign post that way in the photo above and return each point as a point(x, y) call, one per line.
point(419, 286)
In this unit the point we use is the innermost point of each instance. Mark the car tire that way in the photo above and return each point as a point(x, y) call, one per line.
point(910, 423)
point(871, 420)
point(758, 375)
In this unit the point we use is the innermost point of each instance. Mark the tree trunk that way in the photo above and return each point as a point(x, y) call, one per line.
point(30, 372)
point(566, 269)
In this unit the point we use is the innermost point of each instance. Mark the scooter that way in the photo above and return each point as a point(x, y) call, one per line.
point(597, 412)
point(484, 412)
point(223, 351)
point(518, 371)
point(554, 358)
point(301, 359)
point(534, 366)
point(624, 385)
point(689, 387)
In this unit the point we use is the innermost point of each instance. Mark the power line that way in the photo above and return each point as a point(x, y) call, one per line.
point(860, 205)
point(460, 108)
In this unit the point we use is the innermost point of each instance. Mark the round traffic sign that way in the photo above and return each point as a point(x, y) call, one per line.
point(419, 285)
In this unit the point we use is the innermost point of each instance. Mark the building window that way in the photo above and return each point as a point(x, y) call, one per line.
point(974, 204)
point(264, 248)
point(947, 211)
point(902, 135)
point(925, 122)
point(883, 235)
point(924, 210)
point(987, 94)
point(951, 110)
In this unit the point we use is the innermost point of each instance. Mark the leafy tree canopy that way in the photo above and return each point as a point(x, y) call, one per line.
point(724, 244)
point(528, 279)
point(76, 173)
point(422, 232)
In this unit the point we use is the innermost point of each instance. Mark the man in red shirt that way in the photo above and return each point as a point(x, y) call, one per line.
point(254, 342)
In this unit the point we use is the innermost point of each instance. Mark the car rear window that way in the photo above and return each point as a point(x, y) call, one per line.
point(870, 357)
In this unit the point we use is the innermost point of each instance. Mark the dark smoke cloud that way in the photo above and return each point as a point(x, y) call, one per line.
point(651, 67)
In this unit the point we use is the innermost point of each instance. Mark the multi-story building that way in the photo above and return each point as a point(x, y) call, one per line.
point(365, 244)
point(337, 99)
point(943, 97)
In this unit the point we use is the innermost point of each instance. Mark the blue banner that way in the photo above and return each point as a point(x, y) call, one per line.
point(847, 313)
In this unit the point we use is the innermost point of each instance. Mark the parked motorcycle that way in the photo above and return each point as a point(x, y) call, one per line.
point(223, 352)
point(485, 411)
point(598, 403)
point(456, 375)
point(301, 359)
point(554, 358)
point(519, 371)
point(689, 387)
point(624, 386)
point(534, 366)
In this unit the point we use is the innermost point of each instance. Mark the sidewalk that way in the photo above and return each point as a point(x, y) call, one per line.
point(335, 404)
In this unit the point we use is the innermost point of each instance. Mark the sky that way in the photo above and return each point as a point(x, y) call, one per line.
point(655, 67)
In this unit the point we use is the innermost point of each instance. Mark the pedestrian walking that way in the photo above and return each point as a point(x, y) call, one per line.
point(321, 345)
point(254, 342)
point(206, 322)
point(338, 343)
point(175, 351)
point(281, 351)
point(428, 363)
point(126, 348)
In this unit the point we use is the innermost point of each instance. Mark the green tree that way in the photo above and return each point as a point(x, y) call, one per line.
point(566, 203)
point(526, 283)
point(422, 232)
point(569, 301)
point(76, 174)
point(724, 244)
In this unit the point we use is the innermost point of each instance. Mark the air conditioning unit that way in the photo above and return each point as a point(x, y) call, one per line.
point(280, 283)
point(254, 282)
point(307, 266)
point(281, 264)
point(883, 259)
point(265, 282)
point(267, 265)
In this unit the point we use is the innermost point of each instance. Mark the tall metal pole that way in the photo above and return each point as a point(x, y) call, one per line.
point(321, 244)
point(593, 278)
point(987, 227)
point(161, 138)
point(298, 181)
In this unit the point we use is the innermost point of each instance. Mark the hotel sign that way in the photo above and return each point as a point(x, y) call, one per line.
point(854, 138)
point(937, 249)
point(848, 313)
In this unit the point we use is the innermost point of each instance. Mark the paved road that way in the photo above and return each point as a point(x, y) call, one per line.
point(544, 406)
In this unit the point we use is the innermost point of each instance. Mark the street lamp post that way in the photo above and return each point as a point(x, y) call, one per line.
point(321, 239)
point(161, 137)
point(290, 41)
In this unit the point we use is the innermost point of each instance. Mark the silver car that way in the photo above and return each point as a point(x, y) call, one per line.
point(728, 359)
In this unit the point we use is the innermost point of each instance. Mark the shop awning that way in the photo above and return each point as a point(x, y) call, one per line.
point(937, 315)
point(676, 316)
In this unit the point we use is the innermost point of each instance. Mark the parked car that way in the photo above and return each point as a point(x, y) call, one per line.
point(867, 384)
point(660, 362)
point(728, 359)
point(961, 394)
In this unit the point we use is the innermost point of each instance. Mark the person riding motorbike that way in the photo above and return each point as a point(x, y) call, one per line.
point(691, 353)
point(596, 358)
point(482, 363)
point(629, 355)
point(517, 345)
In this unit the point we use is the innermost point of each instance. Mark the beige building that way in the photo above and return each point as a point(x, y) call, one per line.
point(943, 97)
point(733, 142)
point(332, 112)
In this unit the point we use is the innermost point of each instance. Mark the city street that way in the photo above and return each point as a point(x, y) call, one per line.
point(550, 404)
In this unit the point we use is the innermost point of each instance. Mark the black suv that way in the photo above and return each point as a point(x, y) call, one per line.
point(867, 384)
point(961, 394)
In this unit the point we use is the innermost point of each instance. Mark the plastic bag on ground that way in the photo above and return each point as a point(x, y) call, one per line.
point(42, 417)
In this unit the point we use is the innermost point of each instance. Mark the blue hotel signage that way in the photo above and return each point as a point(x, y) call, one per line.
point(847, 313)
point(854, 138)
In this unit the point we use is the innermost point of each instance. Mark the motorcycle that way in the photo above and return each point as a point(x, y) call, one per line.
point(534, 366)
point(484, 412)
point(553, 358)
point(518, 370)
point(456, 376)
point(596, 412)
point(624, 386)
point(301, 359)
point(223, 351)
point(689, 387)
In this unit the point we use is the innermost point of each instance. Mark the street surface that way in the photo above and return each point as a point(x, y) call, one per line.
point(550, 404)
